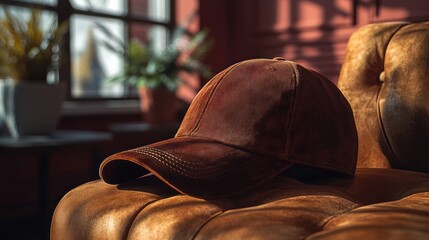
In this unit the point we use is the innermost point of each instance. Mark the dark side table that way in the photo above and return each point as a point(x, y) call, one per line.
point(43, 147)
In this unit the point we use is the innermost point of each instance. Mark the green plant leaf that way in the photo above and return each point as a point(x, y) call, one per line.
point(26, 49)
point(145, 66)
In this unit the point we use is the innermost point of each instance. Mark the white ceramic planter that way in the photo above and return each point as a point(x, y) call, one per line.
point(30, 108)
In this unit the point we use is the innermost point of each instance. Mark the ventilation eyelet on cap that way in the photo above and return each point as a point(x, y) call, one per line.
point(279, 59)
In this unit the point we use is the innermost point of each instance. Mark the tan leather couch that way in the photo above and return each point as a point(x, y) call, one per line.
point(385, 77)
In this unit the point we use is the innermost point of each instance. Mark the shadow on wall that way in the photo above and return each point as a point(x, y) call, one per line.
point(314, 32)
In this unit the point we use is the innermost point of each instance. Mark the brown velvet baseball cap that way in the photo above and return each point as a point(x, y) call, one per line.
point(249, 123)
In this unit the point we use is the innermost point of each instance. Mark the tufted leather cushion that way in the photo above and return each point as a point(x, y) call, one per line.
point(376, 204)
point(385, 78)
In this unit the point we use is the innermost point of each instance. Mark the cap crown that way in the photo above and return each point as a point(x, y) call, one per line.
point(278, 109)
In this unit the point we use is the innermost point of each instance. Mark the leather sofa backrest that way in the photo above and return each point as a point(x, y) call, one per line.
point(385, 77)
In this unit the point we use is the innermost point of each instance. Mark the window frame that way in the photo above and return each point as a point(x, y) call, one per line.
point(65, 10)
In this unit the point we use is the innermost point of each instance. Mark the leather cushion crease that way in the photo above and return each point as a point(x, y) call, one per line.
point(375, 204)
point(384, 77)
point(249, 123)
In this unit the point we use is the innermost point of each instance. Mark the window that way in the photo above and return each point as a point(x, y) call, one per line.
point(87, 63)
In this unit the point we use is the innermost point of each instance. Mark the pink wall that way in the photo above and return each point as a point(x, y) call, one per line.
point(311, 32)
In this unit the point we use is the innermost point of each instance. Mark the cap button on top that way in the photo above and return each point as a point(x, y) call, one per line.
point(279, 59)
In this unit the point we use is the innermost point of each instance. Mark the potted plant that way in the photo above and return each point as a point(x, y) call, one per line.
point(28, 103)
point(155, 73)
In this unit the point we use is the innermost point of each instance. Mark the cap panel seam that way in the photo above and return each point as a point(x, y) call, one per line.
point(241, 148)
point(349, 116)
point(292, 112)
point(197, 126)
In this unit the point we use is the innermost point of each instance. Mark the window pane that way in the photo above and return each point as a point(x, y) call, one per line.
point(116, 7)
point(48, 2)
point(92, 63)
point(152, 35)
point(154, 9)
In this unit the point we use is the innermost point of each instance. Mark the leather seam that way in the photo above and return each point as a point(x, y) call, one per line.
point(138, 213)
point(328, 219)
point(206, 222)
point(383, 130)
point(380, 122)
point(401, 194)
point(390, 39)
point(353, 198)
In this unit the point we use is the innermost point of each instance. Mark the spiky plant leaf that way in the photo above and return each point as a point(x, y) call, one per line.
point(26, 49)
point(34, 33)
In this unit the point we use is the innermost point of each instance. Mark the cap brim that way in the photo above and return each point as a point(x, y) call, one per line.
point(196, 167)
